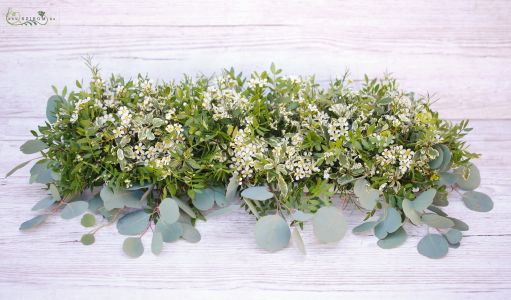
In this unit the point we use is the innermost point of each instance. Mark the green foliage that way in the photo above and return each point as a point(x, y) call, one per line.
point(147, 151)
point(272, 233)
point(329, 224)
point(433, 246)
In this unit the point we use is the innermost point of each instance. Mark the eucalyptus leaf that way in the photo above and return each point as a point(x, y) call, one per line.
point(437, 162)
point(272, 233)
point(34, 222)
point(379, 231)
point(169, 211)
point(51, 107)
point(392, 220)
point(88, 239)
point(473, 180)
point(393, 240)
point(437, 210)
point(95, 203)
point(367, 196)
point(88, 220)
point(33, 146)
point(410, 212)
point(206, 198)
point(54, 192)
point(437, 221)
point(329, 224)
point(170, 232)
point(447, 156)
point(133, 247)
point(447, 178)
point(119, 198)
point(190, 233)
point(477, 201)
point(74, 209)
point(453, 236)
point(17, 168)
point(220, 211)
point(257, 193)
point(366, 226)
point(302, 216)
point(44, 203)
point(185, 207)
point(133, 223)
point(297, 240)
point(41, 173)
point(459, 224)
point(424, 200)
point(157, 243)
point(433, 246)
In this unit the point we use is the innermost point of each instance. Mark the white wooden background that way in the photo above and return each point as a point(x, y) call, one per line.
point(460, 50)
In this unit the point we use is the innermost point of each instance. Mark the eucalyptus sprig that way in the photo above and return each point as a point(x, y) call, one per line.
point(158, 156)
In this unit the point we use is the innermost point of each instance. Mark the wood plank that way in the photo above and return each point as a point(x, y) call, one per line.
point(462, 57)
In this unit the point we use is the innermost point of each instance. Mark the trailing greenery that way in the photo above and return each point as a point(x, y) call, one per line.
point(159, 156)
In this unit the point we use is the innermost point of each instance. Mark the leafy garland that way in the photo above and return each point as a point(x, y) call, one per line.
point(161, 156)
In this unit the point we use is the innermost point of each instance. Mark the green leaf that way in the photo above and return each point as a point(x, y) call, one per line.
point(379, 231)
point(433, 246)
point(44, 203)
point(437, 210)
point(133, 247)
point(447, 156)
point(88, 239)
point(33, 146)
point(391, 223)
point(367, 196)
point(459, 224)
point(393, 240)
point(437, 162)
point(220, 211)
point(169, 211)
point(477, 201)
point(17, 168)
point(157, 243)
point(297, 240)
point(453, 236)
point(302, 216)
point(232, 188)
point(366, 226)
point(272, 233)
point(437, 221)
point(329, 224)
point(206, 198)
point(74, 209)
point(410, 212)
point(51, 108)
point(133, 223)
point(282, 185)
point(54, 192)
point(447, 178)
point(257, 193)
point(95, 203)
point(40, 172)
point(190, 233)
point(88, 220)
point(119, 198)
point(185, 207)
point(424, 200)
point(34, 222)
point(220, 196)
point(473, 180)
point(170, 232)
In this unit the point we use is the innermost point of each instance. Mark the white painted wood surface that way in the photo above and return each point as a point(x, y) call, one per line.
point(460, 50)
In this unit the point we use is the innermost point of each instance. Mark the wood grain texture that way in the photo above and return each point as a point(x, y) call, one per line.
point(459, 50)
